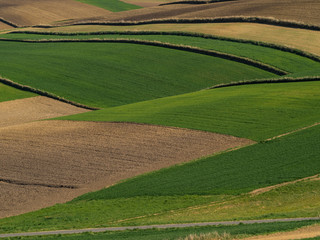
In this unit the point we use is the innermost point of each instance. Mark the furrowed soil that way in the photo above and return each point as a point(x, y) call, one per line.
point(31, 12)
point(32, 109)
point(48, 162)
point(306, 11)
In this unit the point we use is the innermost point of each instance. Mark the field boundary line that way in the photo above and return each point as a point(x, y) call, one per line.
point(160, 226)
point(186, 48)
point(195, 2)
point(24, 183)
point(42, 93)
point(232, 19)
point(186, 34)
point(8, 23)
point(263, 81)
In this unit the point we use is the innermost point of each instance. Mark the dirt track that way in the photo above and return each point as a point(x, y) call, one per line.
point(306, 11)
point(36, 158)
point(32, 12)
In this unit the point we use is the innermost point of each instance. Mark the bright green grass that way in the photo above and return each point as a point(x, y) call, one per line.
point(112, 74)
point(111, 5)
point(289, 62)
point(9, 93)
point(256, 112)
point(285, 159)
point(174, 233)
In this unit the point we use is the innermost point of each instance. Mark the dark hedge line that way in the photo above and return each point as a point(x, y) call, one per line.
point(8, 23)
point(270, 80)
point(42, 93)
point(226, 56)
point(195, 2)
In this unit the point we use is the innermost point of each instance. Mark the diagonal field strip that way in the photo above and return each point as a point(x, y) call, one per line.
point(184, 225)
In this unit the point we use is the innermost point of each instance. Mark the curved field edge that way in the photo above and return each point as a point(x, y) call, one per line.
point(96, 73)
point(8, 93)
point(231, 57)
point(111, 5)
point(257, 111)
point(178, 33)
point(286, 61)
point(261, 20)
point(155, 199)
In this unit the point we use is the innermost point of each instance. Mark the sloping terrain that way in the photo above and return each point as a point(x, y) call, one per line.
point(56, 161)
point(32, 12)
point(306, 11)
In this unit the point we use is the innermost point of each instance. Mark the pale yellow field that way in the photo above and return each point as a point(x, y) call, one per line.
point(306, 40)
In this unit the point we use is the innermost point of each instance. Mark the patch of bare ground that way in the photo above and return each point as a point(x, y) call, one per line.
point(49, 162)
point(31, 12)
point(306, 11)
point(4, 26)
point(301, 233)
point(32, 109)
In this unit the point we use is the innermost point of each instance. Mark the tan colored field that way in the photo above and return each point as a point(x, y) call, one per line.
point(32, 109)
point(4, 26)
point(306, 40)
point(48, 162)
point(301, 233)
point(306, 11)
point(32, 12)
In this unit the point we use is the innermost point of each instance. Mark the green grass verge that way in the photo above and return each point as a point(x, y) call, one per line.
point(174, 233)
point(256, 112)
point(162, 196)
point(286, 61)
point(9, 93)
point(111, 5)
point(112, 74)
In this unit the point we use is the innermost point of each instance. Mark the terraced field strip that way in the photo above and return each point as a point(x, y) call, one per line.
point(89, 156)
point(287, 59)
point(111, 5)
point(31, 12)
point(297, 38)
point(77, 70)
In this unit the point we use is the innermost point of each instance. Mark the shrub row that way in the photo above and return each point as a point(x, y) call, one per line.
point(262, 20)
point(195, 2)
point(270, 80)
point(187, 34)
point(8, 23)
point(226, 56)
point(42, 93)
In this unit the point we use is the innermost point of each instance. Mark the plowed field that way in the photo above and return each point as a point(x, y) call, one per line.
point(47, 162)
point(31, 12)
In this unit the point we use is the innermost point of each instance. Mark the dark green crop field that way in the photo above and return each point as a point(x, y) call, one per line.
point(8, 93)
point(286, 61)
point(112, 74)
point(256, 112)
point(111, 5)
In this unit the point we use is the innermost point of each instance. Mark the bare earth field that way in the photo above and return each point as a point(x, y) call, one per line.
point(302, 39)
point(4, 26)
point(49, 162)
point(32, 109)
point(306, 11)
point(302, 233)
point(32, 12)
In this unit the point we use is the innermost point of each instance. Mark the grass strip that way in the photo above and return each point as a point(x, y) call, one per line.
point(111, 5)
point(222, 55)
point(9, 93)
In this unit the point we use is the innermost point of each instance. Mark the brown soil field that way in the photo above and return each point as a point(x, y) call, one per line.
point(306, 40)
point(302, 233)
point(49, 162)
point(32, 109)
point(306, 11)
point(4, 26)
point(32, 12)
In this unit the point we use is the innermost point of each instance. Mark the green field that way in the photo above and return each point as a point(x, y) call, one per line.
point(9, 93)
point(112, 74)
point(256, 112)
point(111, 5)
point(169, 193)
point(286, 61)
point(175, 233)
